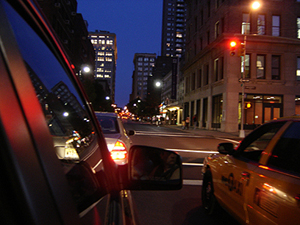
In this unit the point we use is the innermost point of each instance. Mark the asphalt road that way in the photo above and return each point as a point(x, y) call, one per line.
point(182, 207)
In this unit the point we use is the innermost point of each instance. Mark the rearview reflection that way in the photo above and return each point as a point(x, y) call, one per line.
point(149, 163)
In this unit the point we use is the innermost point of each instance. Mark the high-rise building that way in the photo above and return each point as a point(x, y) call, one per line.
point(71, 30)
point(105, 46)
point(143, 66)
point(264, 75)
point(173, 28)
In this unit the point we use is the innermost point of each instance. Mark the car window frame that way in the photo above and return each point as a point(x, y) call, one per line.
point(37, 126)
point(258, 132)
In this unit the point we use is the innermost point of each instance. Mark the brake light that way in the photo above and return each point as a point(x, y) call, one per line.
point(119, 152)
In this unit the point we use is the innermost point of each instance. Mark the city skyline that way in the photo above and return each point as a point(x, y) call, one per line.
point(137, 25)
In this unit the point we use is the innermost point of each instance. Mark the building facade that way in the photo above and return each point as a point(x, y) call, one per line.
point(266, 72)
point(143, 66)
point(105, 47)
point(173, 28)
point(71, 30)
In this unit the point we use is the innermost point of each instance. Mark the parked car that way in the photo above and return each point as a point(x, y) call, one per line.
point(258, 182)
point(54, 161)
point(117, 138)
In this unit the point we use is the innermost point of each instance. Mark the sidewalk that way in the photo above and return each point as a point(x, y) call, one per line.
point(212, 133)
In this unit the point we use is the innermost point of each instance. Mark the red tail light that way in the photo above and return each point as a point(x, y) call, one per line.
point(119, 152)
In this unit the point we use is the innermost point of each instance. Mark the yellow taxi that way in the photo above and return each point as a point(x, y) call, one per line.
point(257, 182)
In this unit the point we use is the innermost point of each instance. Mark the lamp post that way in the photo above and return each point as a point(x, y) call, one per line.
point(255, 5)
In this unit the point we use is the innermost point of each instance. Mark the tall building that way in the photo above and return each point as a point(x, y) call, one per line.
point(269, 63)
point(143, 66)
point(173, 28)
point(105, 46)
point(71, 30)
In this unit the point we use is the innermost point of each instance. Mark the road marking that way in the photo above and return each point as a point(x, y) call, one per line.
point(192, 164)
point(193, 151)
point(192, 182)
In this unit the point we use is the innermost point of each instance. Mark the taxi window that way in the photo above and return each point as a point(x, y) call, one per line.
point(254, 144)
point(286, 153)
point(64, 109)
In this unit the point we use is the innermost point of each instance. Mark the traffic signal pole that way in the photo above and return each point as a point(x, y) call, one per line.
point(242, 131)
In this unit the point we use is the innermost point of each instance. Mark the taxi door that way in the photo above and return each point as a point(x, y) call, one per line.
point(238, 171)
point(276, 184)
point(236, 175)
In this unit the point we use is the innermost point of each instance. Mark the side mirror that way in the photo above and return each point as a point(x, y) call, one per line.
point(130, 132)
point(151, 168)
point(225, 148)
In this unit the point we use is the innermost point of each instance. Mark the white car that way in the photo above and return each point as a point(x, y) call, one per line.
point(117, 138)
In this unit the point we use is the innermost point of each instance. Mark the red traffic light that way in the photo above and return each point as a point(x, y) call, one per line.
point(233, 46)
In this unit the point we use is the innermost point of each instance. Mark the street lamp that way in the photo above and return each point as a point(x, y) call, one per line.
point(255, 5)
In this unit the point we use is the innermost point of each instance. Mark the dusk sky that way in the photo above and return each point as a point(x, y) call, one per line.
point(137, 25)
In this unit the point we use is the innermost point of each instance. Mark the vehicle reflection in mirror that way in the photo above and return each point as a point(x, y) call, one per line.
point(154, 168)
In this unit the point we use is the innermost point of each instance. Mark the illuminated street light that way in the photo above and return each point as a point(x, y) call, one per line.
point(86, 69)
point(255, 5)
point(107, 97)
point(158, 84)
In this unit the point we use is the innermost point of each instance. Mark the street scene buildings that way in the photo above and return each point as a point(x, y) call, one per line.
point(265, 73)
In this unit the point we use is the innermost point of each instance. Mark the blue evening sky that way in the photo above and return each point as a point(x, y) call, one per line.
point(137, 25)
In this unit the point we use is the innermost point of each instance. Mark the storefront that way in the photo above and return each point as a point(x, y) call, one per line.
point(259, 109)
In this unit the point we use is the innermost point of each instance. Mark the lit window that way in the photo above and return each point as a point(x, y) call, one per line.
point(261, 25)
point(260, 67)
point(246, 23)
point(298, 68)
point(108, 59)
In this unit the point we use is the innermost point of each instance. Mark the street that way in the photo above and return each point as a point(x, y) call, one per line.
point(183, 206)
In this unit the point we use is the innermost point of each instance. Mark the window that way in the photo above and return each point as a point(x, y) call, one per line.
point(199, 80)
point(298, 69)
point(261, 25)
point(298, 27)
point(216, 69)
point(217, 111)
point(246, 23)
point(286, 153)
point(247, 66)
point(260, 67)
point(217, 29)
point(193, 83)
point(221, 68)
point(276, 26)
point(65, 111)
point(205, 81)
point(254, 144)
point(275, 67)
point(187, 85)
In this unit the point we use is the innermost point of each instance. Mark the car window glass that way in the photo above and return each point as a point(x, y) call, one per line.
point(65, 112)
point(109, 124)
point(286, 153)
point(252, 147)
